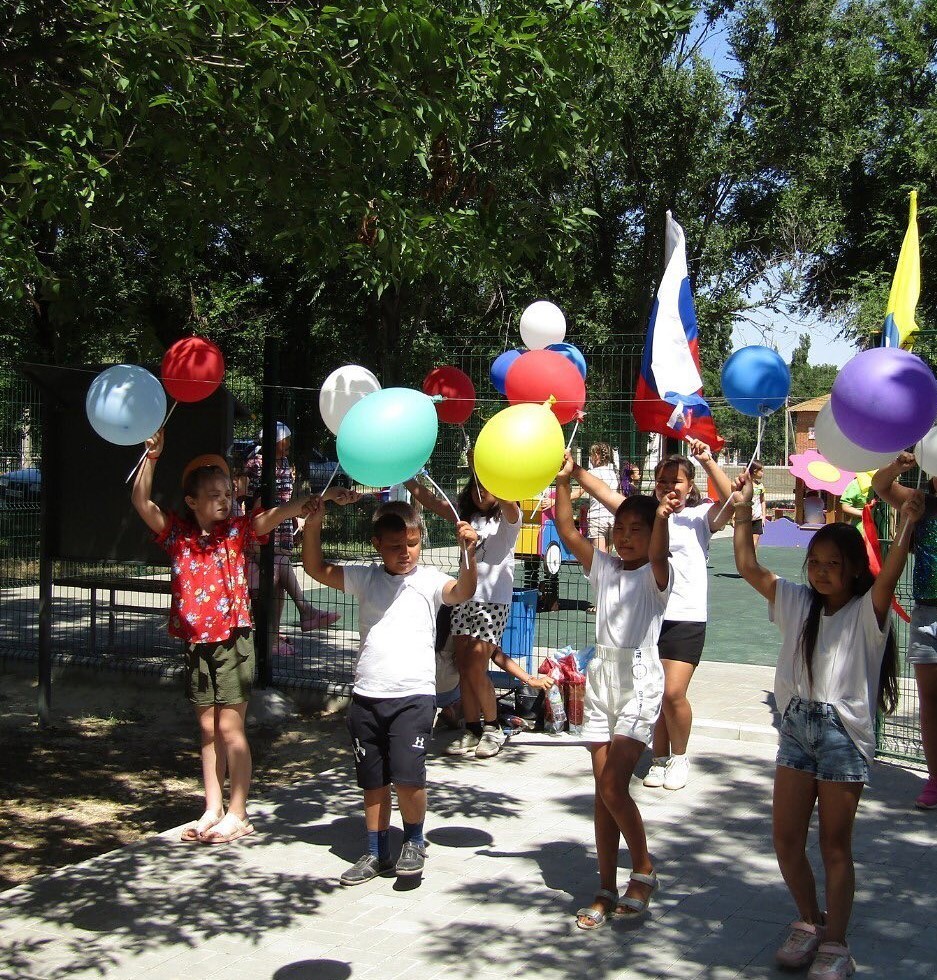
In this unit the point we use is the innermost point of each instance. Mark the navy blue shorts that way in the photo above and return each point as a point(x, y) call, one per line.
point(389, 737)
point(814, 740)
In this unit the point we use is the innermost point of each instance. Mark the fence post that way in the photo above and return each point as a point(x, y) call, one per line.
point(267, 625)
point(47, 536)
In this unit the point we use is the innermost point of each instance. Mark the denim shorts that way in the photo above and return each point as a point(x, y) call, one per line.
point(814, 740)
point(922, 635)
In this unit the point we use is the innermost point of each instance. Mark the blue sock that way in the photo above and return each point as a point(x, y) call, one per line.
point(413, 832)
point(378, 844)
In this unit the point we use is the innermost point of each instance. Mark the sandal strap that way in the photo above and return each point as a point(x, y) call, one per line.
point(635, 904)
point(650, 879)
point(595, 916)
point(605, 893)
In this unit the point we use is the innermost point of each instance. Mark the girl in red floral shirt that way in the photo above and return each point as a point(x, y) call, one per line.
point(210, 613)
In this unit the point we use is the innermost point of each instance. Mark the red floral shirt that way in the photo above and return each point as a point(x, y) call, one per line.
point(209, 588)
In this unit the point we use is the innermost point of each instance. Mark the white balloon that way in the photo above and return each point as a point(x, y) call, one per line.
point(842, 452)
point(925, 452)
point(344, 387)
point(542, 324)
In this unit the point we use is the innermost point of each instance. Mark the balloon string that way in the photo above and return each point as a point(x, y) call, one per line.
point(747, 469)
point(468, 449)
point(338, 466)
point(139, 462)
point(573, 436)
point(455, 513)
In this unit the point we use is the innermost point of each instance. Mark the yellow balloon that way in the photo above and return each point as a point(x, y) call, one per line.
point(519, 451)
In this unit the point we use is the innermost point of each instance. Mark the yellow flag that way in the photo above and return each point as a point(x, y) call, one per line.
point(900, 328)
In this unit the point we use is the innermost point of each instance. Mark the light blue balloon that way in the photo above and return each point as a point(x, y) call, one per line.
point(756, 381)
point(387, 437)
point(125, 404)
point(571, 353)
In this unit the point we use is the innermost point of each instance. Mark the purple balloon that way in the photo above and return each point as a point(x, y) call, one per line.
point(884, 399)
point(500, 365)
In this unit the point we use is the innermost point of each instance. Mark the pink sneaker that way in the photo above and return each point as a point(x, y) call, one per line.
point(928, 798)
point(318, 619)
point(801, 945)
point(832, 962)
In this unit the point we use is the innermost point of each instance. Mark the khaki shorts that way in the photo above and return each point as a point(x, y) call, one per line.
point(220, 673)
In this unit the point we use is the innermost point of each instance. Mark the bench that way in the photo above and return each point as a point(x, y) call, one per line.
point(113, 586)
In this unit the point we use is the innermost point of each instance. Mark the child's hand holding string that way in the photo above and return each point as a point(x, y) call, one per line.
point(743, 490)
point(342, 496)
point(904, 461)
point(668, 505)
point(566, 470)
point(154, 445)
point(467, 535)
point(913, 508)
point(699, 450)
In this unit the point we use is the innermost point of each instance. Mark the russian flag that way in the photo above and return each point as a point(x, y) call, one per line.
point(669, 396)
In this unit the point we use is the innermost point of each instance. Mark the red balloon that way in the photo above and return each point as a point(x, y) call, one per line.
point(536, 375)
point(458, 391)
point(192, 369)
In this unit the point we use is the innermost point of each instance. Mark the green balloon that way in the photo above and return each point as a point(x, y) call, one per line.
point(387, 437)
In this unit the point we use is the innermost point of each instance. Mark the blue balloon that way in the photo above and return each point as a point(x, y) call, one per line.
point(756, 381)
point(387, 437)
point(500, 365)
point(125, 404)
point(573, 354)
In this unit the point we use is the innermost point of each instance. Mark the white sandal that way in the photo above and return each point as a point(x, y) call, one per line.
point(628, 906)
point(596, 917)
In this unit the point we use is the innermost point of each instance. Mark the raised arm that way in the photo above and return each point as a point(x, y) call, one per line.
point(565, 525)
point(463, 588)
point(885, 484)
point(718, 517)
point(595, 487)
point(746, 561)
point(141, 495)
point(315, 565)
point(429, 500)
point(658, 552)
point(883, 589)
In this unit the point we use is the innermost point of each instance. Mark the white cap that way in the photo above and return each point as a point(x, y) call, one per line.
point(283, 432)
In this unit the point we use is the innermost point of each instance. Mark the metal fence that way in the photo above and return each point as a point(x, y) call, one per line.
point(120, 622)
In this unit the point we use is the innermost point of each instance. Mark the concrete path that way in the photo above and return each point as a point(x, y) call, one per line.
point(511, 859)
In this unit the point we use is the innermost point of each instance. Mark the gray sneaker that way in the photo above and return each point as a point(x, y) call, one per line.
point(463, 745)
point(490, 743)
point(364, 869)
point(412, 858)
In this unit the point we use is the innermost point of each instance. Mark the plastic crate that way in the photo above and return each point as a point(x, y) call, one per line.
point(518, 639)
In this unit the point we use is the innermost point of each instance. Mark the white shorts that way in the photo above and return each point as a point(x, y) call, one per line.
point(624, 690)
point(482, 620)
point(922, 635)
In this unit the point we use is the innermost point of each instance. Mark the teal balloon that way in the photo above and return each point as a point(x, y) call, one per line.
point(387, 437)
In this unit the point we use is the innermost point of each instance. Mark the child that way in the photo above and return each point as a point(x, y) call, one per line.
point(477, 625)
point(837, 664)
point(284, 577)
point(393, 700)
point(757, 471)
point(599, 520)
point(210, 612)
point(922, 639)
point(684, 631)
point(624, 681)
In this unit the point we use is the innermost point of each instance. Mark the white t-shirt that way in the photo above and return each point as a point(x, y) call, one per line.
point(609, 476)
point(494, 557)
point(629, 607)
point(846, 662)
point(689, 545)
point(397, 622)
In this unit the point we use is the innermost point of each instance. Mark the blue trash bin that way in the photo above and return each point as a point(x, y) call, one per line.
point(518, 639)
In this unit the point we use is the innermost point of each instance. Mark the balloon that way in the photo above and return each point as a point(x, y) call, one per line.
point(573, 354)
point(519, 451)
point(842, 452)
point(756, 381)
point(125, 404)
point(500, 367)
point(536, 375)
point(458, 391)
point(884, 399)
point(542, 324)
point(387, 437)
point(344, 387)
point(192, 369)
point(925, 452)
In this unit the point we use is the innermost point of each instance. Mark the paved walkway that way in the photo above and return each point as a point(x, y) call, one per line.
point(511, 858)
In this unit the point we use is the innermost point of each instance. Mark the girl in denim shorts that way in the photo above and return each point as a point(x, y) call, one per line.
point(838, 663)
point(922, 639)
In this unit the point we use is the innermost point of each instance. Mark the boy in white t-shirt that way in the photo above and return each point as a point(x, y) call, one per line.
point(394, 696)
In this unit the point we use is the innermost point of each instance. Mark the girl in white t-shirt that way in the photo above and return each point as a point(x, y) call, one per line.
point(837, 665)
point(684, 630)
point(477, 625)
point(624, 682)
point(599, 520)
